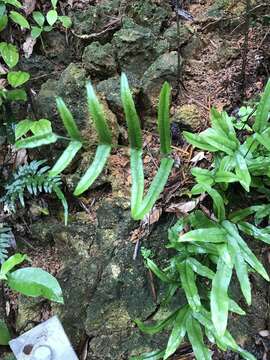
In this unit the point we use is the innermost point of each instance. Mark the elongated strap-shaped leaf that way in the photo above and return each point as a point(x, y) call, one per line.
point(254, 231)
point(239, 261)
point(251, 259)
point(235, 308)
point(223, 124)
point(153, 355)
point(239, 215)
point(5, 336)
point(195, 337)
point(36, 141)
point(101, 156)
point(132, 118)
point(263, 140)
point(155, 189)
point(178, 332)
point(157, 271)
point(218, 202)
point(211, 235)
point(263, 110)
point(200, 269)
point(137, 187)
point(219, 299)
point(63, 200)
point(66, 158)
point(188, 283)
point(68, 120)
point(163, 119)
point(156, 328)
point(97, 114)
point(242, 172)
point(197, 141)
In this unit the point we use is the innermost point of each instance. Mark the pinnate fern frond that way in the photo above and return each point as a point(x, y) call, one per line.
point(5, 241)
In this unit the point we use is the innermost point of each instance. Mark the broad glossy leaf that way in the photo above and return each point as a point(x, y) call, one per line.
point(16, 95)
point(199, 220)
point(101, 156)
point(132, 119)
point(218, 141)
point(39, 18)
point(157, 271)
point(4, 333)
point(263, 110)
point(66, 158)
point(251, 259)
point(15, 3)
point(212, 235)
point(223, 124)
point(17, 78)
point(163, 119)
point(19, 19)
point(3, 22)
point(178, 332)
point(97, 114)
point(52, 17)
point(35, 32)
point(68, 120)
point(239, 261)
point(242, 171)
point(11, 262)
point(35, 282)
point(225, 176)
point(188, 283)
point(200, 269)
point(195, 337)
point(9, 54)
point(156, 187)
point(156, 328)
point(219, 299)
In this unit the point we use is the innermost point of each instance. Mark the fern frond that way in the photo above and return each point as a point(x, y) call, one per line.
point(33, 178)
point(5, 242)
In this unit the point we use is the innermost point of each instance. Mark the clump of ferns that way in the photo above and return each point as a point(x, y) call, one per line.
point(33, 178)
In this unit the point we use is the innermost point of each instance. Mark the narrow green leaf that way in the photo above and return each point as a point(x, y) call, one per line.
point(178, 332)
point(257, 233)
point(19, 19)
point(63, 200)
point(35, 282)
point(97, 114)
point(66, 158)
point(68, 121)
point(251, 259)
point(3, 22)
point(197, 141)
point(15, 3)
point(212, 235)
point(235, 308)
point(101, 156)
point(11, 262)
point(239, 215)
point(242, 171)
point(263, 110)
point(133, 122)
point(219, 299)
point(137, 178)
point(188, 283)
point(163, 119)
point(4, 333)
point(153, 355)
point(218, 202)
point(239, 262)
point(155, 189)
point(200, 269)
point(36, 141)
point(156, 328)
point(22, 128)
point(157, 271)
point(218, 141)
point(195, 336)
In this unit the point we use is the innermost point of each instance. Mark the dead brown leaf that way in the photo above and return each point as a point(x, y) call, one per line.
point(28, 46)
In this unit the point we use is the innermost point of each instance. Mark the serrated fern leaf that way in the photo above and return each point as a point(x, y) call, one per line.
point(5, 242)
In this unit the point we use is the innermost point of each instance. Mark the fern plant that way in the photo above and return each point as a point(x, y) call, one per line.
point(34, 179)
point(208, 250)
point(42, 134)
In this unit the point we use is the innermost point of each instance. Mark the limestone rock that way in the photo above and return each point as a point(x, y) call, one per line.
point(188, 117)
point(171, 36)
point(99, 60)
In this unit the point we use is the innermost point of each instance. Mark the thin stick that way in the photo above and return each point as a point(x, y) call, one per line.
point(178, 51)
point(245, 49)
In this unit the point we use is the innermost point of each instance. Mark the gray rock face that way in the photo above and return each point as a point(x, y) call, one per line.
point(99, 60)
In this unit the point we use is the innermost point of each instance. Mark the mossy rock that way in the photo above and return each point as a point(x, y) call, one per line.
point(187, 116)
point(171, 36)
point(99, 60)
